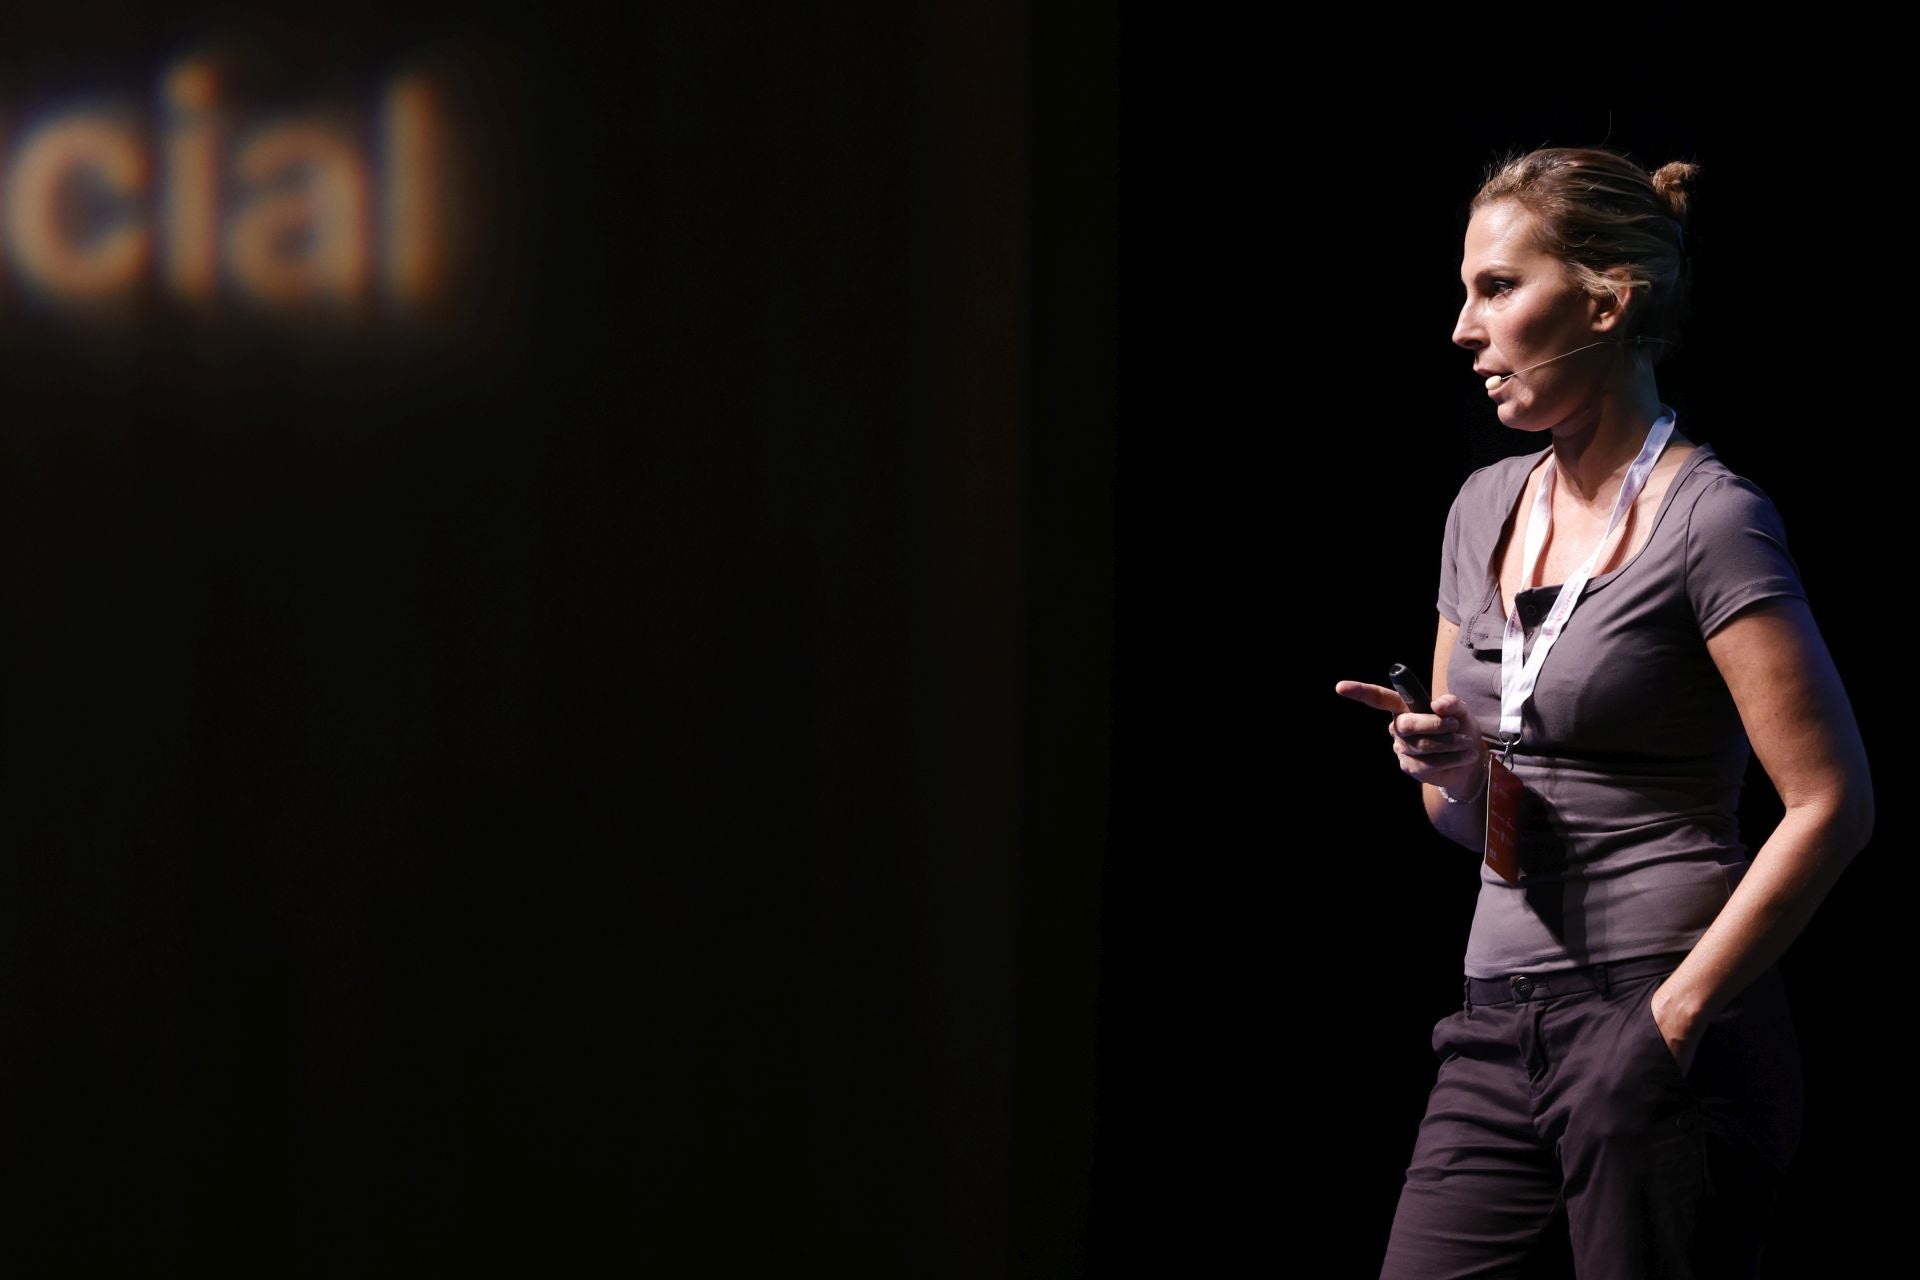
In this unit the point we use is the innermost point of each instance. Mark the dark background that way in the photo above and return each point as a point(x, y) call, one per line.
point(615, 772)
point(765, 733)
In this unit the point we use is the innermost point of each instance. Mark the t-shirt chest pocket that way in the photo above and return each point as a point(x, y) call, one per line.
point(1485, 629)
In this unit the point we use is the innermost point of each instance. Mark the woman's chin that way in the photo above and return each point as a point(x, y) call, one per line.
point(1517, 417)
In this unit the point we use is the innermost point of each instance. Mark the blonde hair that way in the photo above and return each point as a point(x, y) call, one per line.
point(1597, 211)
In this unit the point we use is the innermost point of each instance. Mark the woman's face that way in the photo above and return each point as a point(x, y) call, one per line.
point(1523, 307)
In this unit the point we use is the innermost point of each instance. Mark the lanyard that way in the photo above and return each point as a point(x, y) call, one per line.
point(1518, 676)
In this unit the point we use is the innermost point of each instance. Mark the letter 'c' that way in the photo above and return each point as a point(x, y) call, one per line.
point(47, 253)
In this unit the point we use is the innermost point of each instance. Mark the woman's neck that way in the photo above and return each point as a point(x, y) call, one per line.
point(1592, 456)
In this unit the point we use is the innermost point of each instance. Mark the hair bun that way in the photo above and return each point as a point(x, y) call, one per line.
point(1675, 181)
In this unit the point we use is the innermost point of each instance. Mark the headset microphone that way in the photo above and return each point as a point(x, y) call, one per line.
point(1494, 382)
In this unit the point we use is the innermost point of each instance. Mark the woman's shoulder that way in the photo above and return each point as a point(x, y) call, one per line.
point(1734, 541)
point(1735, 545)
point(1489, 490)
point(1710, 486)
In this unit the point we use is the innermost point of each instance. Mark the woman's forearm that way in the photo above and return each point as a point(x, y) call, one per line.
point(1790, 876)
point(1465, 823)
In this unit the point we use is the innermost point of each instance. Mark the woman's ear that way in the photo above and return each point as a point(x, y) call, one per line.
point(1608, 312)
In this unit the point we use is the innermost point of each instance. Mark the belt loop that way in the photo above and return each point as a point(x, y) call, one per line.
point(1466, 996)
point(1606, 979)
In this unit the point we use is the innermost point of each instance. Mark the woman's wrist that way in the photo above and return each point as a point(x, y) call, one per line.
point(1479, 788)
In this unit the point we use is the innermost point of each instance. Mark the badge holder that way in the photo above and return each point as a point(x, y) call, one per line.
point(1504, 790)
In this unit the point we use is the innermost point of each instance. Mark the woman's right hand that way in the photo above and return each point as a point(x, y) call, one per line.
point(1444, 749)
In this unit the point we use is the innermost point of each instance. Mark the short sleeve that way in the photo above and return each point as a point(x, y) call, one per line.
point(1736, 552)
point(1447, 602)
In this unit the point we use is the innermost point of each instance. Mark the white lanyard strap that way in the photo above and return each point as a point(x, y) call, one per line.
point(1518, 675)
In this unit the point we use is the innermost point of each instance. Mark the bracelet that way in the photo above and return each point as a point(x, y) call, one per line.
point(1478, 791)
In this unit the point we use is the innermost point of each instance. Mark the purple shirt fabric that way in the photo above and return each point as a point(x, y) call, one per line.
point(1631, 747)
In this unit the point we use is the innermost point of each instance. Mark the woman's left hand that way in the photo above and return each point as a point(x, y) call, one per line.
point(1681, 1042)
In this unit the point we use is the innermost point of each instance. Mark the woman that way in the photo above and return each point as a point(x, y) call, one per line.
point(1620, 622)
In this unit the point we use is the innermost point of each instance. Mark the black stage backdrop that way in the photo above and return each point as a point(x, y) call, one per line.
point(539, 778)
point(751, 722)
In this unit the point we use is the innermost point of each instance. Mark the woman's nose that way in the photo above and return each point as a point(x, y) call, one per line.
point(1466, 328)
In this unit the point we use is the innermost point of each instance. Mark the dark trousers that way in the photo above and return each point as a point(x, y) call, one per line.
point(1557, 1089)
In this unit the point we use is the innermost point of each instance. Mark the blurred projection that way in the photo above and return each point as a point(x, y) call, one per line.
point(202, 202)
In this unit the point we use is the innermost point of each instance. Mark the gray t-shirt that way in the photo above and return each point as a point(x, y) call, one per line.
point(1631, 747)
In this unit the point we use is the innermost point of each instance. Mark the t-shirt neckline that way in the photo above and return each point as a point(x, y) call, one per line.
point(1513, 501)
